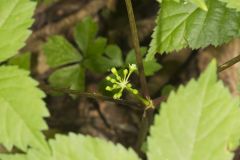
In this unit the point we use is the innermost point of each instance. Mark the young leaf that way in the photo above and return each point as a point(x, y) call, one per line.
point(21, 110)
point(15, 19)
point(60, 52)
point(180, 25)
point(197, 122)
point(232, 4)
point(72, 77)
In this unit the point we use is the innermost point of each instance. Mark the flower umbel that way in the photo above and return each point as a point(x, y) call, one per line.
point(121, 82)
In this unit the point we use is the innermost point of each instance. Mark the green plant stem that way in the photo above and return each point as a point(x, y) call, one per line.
point(149, 113)
point(134, 105)
point(136, 46)
point(229, 63)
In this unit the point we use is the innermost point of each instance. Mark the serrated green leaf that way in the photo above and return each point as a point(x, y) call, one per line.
point(72, 77)
point(77, 147)
point(150, 66)
point(15, 19)
point(197, 122)
point(21, 110)
point(181, 25)
point(232, 4)
point(84, 34)
point(59, 52)
point(23, 61)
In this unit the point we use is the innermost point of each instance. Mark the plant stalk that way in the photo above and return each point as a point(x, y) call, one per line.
point(136, 46)
point(148, 113)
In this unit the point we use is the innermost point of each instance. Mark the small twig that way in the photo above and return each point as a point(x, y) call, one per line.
point(134, 105)
point(229, 63)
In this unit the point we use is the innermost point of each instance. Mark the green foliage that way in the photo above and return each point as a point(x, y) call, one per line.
point(20, 100)
point(197, 122)
point(92, 53)
point(21, 103)
point(22, 61)
point(15, 19)
point(205, 126)
point(181, 25)
point(84, 147)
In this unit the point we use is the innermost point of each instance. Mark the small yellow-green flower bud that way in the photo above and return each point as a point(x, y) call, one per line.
point(108, 78)
point(115, 96)
point(113, 80)
point(129, 85)
point(114, 71)
point(108, 88)
point(125, 72)
point(135, 91)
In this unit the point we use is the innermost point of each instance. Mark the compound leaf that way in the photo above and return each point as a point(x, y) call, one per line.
point(72, 77)
point(197, 122)
point(15, 19)
point(60, 52)
point(21, 110)
point(181, 25)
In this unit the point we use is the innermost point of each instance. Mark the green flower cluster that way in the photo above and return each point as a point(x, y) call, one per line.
point(121, 82)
